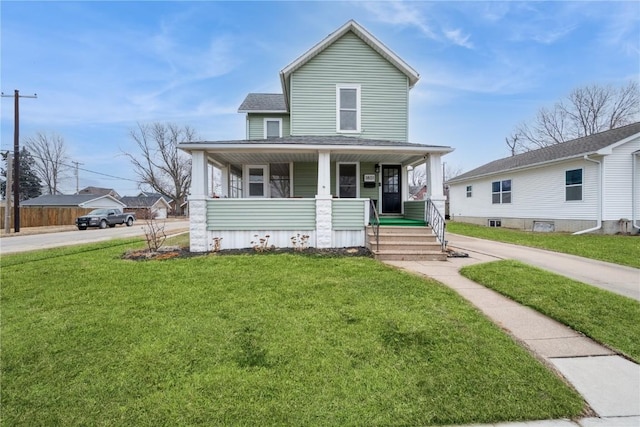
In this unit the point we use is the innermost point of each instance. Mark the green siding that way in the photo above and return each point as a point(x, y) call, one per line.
point(305, 179)
point(368, 193)
point(348, 214)
point(414, 210)
point(255, 125)
point(384, 91)
point(261, 214)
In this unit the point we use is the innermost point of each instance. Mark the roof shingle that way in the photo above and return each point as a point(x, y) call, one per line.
point(263, 102)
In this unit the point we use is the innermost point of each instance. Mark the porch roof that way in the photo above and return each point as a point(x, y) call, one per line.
point(306, 149)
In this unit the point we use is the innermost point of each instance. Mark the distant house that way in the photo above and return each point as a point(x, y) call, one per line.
point(172, 205)
point(589, 184)
point(89, 201)
point(147, 206)
point(99, 191)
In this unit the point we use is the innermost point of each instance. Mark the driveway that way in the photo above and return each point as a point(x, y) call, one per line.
point(615, 278)
point(28, 242)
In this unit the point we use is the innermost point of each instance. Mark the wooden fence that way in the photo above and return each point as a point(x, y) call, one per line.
point(35, 216)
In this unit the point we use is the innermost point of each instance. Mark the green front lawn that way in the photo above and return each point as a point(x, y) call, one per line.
point(623, 250)
point(88, 338)
point(606, 317)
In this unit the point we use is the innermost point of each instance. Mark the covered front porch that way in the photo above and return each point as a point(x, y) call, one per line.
point(320, 192)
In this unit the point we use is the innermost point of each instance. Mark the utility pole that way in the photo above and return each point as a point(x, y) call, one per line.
point(77, 176)
point(16, 157)
point(7, 195)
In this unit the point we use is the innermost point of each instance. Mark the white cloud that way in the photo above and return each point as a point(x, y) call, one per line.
point(399, 13)
point(457, 37)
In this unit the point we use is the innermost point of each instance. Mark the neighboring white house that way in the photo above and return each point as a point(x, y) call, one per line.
point(589, 184)
point(89, 201)
point(147, 207)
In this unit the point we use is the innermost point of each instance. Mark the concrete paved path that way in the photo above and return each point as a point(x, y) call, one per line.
point(609, 383)
point(615, 278)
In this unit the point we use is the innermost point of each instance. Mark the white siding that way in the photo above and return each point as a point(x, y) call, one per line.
point(618, 170)
point(535, 193)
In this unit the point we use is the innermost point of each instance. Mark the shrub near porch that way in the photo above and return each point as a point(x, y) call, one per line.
point(254, 340)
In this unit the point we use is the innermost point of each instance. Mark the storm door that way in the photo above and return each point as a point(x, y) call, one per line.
point(391, 189)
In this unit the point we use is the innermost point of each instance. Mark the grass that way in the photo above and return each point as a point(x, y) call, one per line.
point(89, 338)
point(606, 317)
point(617, 249)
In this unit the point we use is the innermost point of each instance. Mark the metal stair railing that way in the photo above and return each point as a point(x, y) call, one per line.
point(375, 223)
point(434, 218)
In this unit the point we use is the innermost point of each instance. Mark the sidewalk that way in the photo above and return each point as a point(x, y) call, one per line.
point(609, 383)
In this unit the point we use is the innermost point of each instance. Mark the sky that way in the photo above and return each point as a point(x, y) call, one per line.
point(101, 68)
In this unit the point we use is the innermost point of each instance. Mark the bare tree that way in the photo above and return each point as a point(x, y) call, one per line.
point(513, 143)
point(585, 111)
point(50, 159)
point(418, 176)
point(160, 164)
point(451, 171)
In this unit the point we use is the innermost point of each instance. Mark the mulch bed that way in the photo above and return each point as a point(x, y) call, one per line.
point(173, 252)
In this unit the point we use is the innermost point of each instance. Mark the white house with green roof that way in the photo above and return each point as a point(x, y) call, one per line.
point(319, 158)
point(589, 184)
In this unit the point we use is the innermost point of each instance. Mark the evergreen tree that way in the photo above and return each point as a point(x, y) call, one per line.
point(30, 184)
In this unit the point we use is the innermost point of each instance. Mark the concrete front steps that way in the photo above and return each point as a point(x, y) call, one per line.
point(405, 244)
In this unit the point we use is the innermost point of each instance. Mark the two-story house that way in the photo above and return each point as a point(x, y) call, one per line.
point(320, 158)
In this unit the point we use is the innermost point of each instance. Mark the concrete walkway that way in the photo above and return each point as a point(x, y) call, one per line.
point(609, 383)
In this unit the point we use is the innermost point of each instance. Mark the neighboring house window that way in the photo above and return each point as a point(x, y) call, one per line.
point(235, 183)
point(348, 108)
point(501, 192)
point(469, 190)
point(347, 180)
point(272, 128)
point(280, 180)
point(573, 184)
point(257, 180)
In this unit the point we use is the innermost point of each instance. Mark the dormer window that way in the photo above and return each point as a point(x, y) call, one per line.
point(348, 108)
point(272, 128)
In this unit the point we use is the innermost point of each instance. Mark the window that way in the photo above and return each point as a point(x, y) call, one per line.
point(501, 192)
point(257, 177)
point(347, 180)
point(279, 180)
point(469, 190)
point(573, 184)
point(235, 182)
point(348, 108)
point(272, 128)
point(495, 223)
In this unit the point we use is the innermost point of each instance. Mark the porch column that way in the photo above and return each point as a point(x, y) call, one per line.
point(434, 181)
point(324, 221)
point(198, 202)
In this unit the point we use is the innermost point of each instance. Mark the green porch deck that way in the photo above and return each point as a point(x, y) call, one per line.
point(401, 222)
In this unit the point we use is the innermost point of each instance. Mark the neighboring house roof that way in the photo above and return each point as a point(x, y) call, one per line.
point(99, 191)
point(66, 200)
point(263, 103)
point(134, 202)
point(579, 147)
point(366, 37)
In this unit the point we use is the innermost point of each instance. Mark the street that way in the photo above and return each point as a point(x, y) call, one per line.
point(29, 242)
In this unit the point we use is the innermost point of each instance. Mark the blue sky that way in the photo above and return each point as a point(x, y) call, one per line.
point(101, 67)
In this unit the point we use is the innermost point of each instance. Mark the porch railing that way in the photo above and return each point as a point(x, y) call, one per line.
point(434, 218)
point(375, 222)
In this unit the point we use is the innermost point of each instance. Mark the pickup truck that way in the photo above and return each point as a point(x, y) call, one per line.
point(105, 217)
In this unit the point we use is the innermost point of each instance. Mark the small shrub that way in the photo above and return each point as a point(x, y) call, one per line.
point(217, 244)
point(300, 242)
point(260, 244)
point(154, 234)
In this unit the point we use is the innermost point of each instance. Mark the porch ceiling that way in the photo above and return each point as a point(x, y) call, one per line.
point(251, 158)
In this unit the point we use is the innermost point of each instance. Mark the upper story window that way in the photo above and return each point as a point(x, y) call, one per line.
point(348, 108)
point(469, 190)
point(573, 184)
point(501, 192)
point(272, 128)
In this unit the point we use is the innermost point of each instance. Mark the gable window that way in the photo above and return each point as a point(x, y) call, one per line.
point(348, 108)
point(347, 180)
point(573, 184)
point(272, 128)
point(469, 190)
point(501, 192)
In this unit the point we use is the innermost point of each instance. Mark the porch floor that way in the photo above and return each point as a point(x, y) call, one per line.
point(401, 222)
